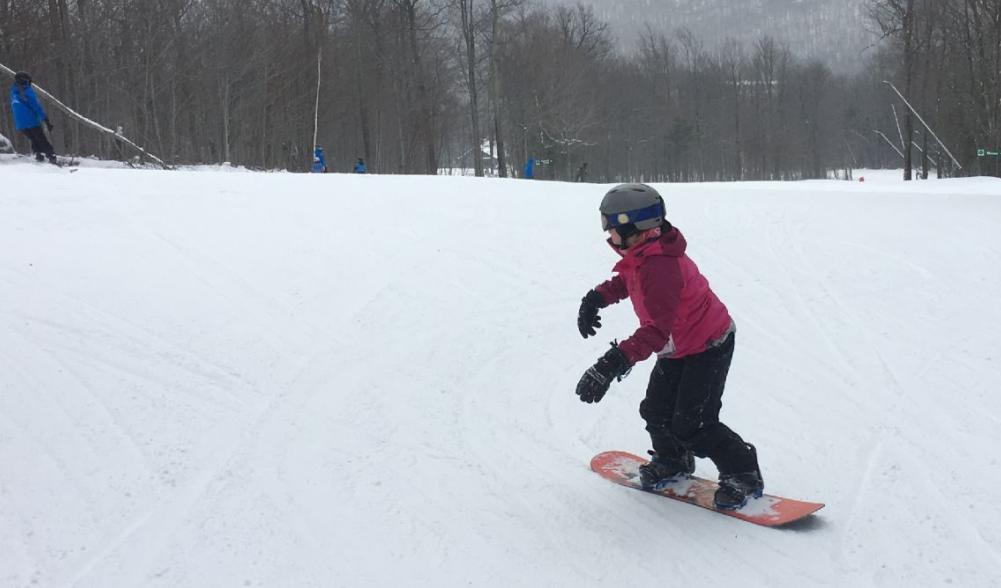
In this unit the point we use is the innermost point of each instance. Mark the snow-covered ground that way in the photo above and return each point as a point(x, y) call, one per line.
point(250, 379)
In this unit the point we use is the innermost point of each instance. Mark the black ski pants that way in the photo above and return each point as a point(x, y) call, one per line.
point(682, 405)
point(39, 143)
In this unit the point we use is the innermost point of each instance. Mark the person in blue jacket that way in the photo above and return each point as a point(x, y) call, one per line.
point(530, 169)
point(29, 116)
point(360, 166)
point(319, 161)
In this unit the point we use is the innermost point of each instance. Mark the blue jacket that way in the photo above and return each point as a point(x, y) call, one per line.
point(360, 167)
point(319, 161)
point(28, 112)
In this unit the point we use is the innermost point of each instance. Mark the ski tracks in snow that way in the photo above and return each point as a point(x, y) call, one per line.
point(259, 393)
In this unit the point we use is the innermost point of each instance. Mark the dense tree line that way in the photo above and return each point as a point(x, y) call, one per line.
point(418, 86)
point(945, 55)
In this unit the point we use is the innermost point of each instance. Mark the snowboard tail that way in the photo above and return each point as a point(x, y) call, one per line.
point(769, 511)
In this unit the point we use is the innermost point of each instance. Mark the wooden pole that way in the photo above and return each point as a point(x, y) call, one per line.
point(316, 112)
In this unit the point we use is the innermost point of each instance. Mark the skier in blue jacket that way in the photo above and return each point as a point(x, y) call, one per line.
point(319, 161)
point(530, 169)
point(360, 166)
point(29, 116)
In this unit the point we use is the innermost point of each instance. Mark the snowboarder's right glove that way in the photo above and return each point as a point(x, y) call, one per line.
point(587, 317)
point(596, 380)
point(49, 125)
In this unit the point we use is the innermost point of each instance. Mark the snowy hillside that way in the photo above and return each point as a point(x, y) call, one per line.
point(243, 379)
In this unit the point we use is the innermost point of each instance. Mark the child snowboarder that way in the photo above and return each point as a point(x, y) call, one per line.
point(690, 330)
point(29, 117)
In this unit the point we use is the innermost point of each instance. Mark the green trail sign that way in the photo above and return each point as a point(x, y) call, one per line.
point(988, 153)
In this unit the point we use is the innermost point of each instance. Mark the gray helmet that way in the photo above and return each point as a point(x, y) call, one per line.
point(630, 208)
point(22, 78)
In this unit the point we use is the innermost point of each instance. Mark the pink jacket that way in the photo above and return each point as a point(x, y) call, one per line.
point(679, 314)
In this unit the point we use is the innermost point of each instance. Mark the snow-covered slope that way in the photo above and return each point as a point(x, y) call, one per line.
point(252, 379)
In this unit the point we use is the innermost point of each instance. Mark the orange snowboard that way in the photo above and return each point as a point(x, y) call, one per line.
point(769, 511)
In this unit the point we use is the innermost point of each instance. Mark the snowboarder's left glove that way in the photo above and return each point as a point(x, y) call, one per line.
point(49, 125)
point(596, 380)
point(587, 317)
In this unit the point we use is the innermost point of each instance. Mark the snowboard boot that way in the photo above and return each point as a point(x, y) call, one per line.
point(735, 488)
point(662, 471)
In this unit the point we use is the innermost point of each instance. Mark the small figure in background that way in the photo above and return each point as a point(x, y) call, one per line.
point(29, 116)
point(319, 161)
point(360, 166)
point(530, 169)
point(582, 172)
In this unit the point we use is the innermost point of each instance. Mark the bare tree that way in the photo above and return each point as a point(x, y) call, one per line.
point(495, 82)
point(468, 29)
point(732, 61)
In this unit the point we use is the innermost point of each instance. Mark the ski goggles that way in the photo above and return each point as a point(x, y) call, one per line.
point(617, 219)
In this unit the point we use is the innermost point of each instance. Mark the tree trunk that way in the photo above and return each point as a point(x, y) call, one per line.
point(908, 79)
point(224, 91)
point(495, 92)
point(425, 117)
point(737, 146)
point(469, 36)
point(924, 156)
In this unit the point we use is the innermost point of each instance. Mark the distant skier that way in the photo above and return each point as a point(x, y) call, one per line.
point(690, 330)
point(529, 169)
point(360, 166)
point(582, 172)
point(319, 161)
point(29, 116)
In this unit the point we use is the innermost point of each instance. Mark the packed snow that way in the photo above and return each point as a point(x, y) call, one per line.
point(272, 379)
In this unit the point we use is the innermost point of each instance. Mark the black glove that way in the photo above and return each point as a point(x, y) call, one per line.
point(587, 317)
point(596, 380)
point(49, 125)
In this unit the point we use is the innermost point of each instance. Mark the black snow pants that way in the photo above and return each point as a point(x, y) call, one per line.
point(39, 143)
point(682, 405)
